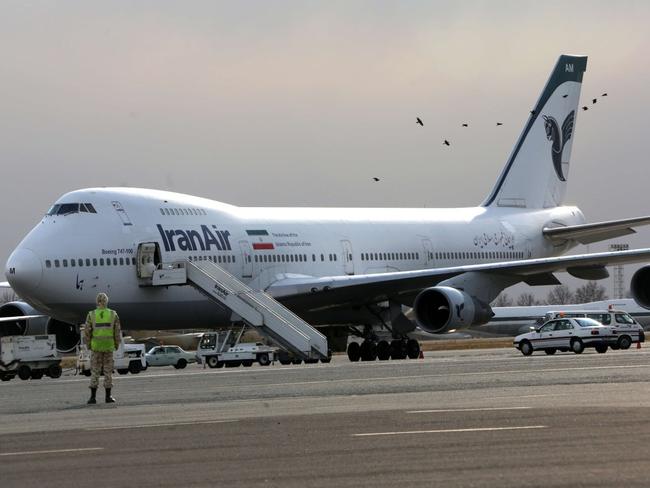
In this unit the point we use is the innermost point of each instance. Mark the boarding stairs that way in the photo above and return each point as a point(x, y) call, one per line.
point(253, 307)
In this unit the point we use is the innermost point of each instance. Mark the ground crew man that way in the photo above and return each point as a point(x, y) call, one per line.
point(102, 334)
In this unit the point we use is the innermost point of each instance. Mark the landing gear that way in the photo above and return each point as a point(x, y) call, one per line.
point(370, 350)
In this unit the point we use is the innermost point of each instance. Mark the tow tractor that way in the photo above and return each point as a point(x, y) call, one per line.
point(29, 357)
point(222, 348)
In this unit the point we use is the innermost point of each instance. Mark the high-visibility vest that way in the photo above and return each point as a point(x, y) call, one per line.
point(103, 324)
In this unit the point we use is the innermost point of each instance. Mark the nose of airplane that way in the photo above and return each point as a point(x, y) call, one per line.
point(24, 271)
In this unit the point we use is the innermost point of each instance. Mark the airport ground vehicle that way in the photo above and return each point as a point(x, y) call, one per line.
point(628, 330)
point(567, 334)
point(29, 357)
point(169, 356)
point(218, 349)
point(129, 358)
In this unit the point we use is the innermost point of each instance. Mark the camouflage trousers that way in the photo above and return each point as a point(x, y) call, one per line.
point(101, 361)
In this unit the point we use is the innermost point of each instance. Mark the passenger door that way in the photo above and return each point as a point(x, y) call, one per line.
point(348, 259)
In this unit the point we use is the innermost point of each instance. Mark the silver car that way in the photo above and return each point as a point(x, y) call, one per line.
point(169, 356)
point(567, 334)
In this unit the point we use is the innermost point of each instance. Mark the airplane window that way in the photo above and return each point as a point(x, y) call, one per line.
point(108, 261)
point(101, 261)
point(133, 261)
point(80, 262)
point(56, 263)
point(90, 208)
point(162, 212)
point(48, 263)
point(334, 257)
point(53, 210)
point(94, 261)
point(121, 261)
point(255, 259)
point(313, 257)
point(166, 211)
point(114, 261)
point(233, 259)
point(73, 263)
point(82, 208)
point(68, 208)
point(417, 255)
point(65, 263)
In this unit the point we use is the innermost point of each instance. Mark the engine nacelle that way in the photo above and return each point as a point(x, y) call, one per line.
point(640, 286)
point(67, 335)
point(442, 308)
point(33, 326)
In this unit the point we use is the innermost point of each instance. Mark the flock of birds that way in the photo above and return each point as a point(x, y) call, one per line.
point(446, 142)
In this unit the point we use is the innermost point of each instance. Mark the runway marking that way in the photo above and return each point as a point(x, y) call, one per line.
point(451, 431)
point(170, 424)
point(53, 451)
point(486, 409)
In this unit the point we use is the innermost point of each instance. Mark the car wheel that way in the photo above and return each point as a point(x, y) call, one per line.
point(181, 363)
point(550, 351)
point(5, 377)
point(24, 372)
point(577, 346)
point(123, 371)
point(212, 361)
point(86, 372)
point(526, 348)
point(624, 342)
point(601, 348)
point(263, 359)
point(135, 367)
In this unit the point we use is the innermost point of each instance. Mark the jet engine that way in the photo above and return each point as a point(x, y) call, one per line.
point(67, 335)
point(442, 309)
point(640, 286)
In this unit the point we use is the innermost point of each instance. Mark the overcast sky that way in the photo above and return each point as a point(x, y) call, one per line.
point(302, 103)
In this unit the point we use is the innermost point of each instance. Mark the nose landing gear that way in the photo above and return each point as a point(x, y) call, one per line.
point(370, 350)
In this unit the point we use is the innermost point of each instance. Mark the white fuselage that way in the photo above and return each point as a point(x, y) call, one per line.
point(67, 259)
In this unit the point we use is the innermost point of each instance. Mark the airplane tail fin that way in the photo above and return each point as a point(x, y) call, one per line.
point(537, 171)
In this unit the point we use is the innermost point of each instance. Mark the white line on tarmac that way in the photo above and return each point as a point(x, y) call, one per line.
point(445, 431)
point(486, 409)
point(53, 451)
point(170, 424)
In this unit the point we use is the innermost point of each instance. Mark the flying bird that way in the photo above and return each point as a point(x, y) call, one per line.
point(446, 143)
point(465, 125)
point(532, 112)
point(594, 100)
point(375, 178)
point(585, 108)
point(604, 95)
point(566, 95)
point(499, 123)
point(418, 120)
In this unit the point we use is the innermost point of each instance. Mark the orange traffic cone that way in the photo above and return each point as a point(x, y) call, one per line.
point(421, 355)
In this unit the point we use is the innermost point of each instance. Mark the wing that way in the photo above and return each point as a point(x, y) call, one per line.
point(311, 293)
point(567, 127)
point(598, 231)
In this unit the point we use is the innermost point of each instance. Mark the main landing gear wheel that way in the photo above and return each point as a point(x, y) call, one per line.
point(383, 351)
point(413, 349)
point(368, 351)
point(354, 351)
point(398, 349)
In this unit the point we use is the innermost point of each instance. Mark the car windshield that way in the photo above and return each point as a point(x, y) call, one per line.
point(584, 322)
point(623, 318)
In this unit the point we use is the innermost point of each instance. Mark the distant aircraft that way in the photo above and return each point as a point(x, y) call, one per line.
point(349, 271)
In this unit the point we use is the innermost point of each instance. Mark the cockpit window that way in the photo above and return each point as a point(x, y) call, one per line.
point(70, 208)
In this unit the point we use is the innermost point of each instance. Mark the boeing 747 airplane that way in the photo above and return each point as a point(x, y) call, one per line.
point(347, 271)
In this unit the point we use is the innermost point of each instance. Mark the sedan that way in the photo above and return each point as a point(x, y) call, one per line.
point(567, 334)
point(169, 356)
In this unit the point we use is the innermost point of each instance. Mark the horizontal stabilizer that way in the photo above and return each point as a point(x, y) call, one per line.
point(596, 232)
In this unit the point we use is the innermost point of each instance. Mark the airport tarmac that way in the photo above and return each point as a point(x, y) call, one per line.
point(455, 418)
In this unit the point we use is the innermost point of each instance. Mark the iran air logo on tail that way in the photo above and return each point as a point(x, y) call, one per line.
point(559, 140)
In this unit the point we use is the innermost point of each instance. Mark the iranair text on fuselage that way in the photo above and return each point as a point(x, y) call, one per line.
point(205, 239)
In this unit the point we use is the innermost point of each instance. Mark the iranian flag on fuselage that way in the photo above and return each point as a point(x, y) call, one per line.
point(264, 243)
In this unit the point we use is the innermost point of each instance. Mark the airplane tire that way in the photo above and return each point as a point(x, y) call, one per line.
point(383, 351)
point(413, 349)
point(368, 351)
point(397, 349)
point(354, 352)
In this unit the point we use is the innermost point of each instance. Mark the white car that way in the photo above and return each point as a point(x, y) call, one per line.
point(169, 356)
point(567, 334)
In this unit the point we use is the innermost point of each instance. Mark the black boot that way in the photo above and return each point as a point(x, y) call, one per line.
point(93, 395)
point(109, 398)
